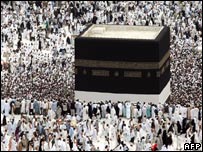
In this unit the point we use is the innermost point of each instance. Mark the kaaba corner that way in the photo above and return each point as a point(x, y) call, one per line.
point(122, 62)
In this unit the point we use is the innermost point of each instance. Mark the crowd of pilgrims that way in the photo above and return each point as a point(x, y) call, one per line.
point(38, 48)
point(78, 125)
point(37, 78)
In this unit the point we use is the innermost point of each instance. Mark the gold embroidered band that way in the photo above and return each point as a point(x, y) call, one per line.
point(121, 64)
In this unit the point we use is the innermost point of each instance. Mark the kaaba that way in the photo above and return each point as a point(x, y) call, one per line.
point(123, 63)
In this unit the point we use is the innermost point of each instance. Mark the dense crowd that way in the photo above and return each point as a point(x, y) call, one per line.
point(38, 110)
point(28, 29)
point(123, 126)
point(40, 59)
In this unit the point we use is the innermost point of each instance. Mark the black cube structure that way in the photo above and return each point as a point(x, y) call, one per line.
point(121, 62)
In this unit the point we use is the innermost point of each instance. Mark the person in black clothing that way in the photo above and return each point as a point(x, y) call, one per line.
point(162, 21)
point(21, 27)
point(193, 125)
point(108, 110)
point(169, 140)
point(40, 45)
point(6, 37)
point(90, 110)
point(64, 108)
point(147, 23)
point(117, 110)
point(28, 25)
point(19, 44)
point(153, 124)
point(94, 20)
point(166, 109)
point(68, 40)
point(164, 138)
point(1, 135)
point(156, 111)
point(111, 16)
point(95, 111)
point(179, 129)
point(72, 108)
point(199, 115)
point(40, 144)
point(159, 132)
point(70, 143)
point(4, 121)
point(184, 124)
point(171, 128)
point(195, 38)
point(38, 4)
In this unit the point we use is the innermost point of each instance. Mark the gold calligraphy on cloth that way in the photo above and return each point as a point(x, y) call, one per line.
point(122, 64)
point(160, 67)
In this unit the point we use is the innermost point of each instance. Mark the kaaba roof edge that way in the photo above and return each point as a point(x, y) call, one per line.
point(139, 38)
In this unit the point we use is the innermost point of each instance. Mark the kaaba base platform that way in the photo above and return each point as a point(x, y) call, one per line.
point(115, 97)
